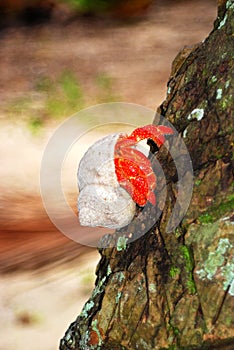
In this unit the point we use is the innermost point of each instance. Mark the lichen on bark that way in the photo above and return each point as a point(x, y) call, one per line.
point(175, 290)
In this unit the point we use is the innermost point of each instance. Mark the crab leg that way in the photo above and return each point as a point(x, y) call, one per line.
point(133, 161)
point(135, 174)
point(133, 169)
point(155, 133)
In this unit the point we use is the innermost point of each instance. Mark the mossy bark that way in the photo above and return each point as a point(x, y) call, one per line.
point(175, 290)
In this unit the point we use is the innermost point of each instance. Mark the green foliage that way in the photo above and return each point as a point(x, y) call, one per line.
point(58, 98)
point(35, 124)
point(104, 84)
point(71, 88)
point(64, 96)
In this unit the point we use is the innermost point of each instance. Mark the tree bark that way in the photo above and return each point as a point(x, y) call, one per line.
point(175, 290)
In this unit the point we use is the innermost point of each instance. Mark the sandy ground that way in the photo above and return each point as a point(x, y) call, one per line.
point(45, 278)
point(36, 308)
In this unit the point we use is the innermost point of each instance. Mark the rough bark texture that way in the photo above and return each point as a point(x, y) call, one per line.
point(176, 290)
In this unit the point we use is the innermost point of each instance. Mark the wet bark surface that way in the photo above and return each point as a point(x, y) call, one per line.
point(174, 290)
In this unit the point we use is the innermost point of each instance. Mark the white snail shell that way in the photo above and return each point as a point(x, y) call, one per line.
point(101, 200)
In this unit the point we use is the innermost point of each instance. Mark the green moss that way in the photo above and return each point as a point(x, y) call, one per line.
point(174, 271)
point(174, 330)
point(188, 266)
point(218, 156)
point(187, 257)
point(217, 211)
point(178, 232)
point(206, 218)
point(228, 321)
point(191, 286)
point(197, 182)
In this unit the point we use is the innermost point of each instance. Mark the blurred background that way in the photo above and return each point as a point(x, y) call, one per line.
point(57, 57)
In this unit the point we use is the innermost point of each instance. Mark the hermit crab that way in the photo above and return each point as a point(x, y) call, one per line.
point(114, 175)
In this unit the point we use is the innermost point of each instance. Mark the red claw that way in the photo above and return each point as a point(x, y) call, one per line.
point(155, 133)
point(133, 169)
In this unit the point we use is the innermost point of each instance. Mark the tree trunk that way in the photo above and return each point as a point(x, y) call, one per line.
point(175, 290)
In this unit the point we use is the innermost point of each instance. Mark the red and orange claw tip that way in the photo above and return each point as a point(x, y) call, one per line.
point(153, 132)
